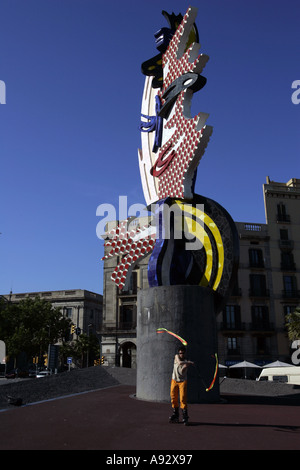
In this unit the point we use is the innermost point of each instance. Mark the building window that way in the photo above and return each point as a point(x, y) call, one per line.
point(127, 317)
point(256, 258)
point(287, 262)
point(232, 346)
point(132, 284)
point(260, 317)
point(290, 286)
point(232, 317)
point(285, 243)
point(284, 234)
point(69, 312)
point(258, 285)
point(281, 213)
point(288, 309)
point(261, 345)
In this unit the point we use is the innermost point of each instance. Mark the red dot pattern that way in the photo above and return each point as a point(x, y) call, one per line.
point(122, 243)
point(186, 137)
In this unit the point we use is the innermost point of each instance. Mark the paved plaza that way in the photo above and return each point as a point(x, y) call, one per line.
point(112, 419)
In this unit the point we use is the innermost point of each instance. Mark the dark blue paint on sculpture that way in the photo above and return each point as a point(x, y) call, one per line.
point(155, 123)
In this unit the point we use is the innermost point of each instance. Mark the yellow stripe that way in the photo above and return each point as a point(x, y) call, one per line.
point(204, 238)
point(217, 236)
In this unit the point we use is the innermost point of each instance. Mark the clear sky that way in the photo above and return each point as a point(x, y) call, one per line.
point(69, 129)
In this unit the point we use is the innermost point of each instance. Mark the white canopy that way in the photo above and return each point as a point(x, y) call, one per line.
point(277, 364)
point(245, 364)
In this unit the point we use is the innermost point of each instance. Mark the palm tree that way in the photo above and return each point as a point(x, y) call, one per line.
point(293, 324)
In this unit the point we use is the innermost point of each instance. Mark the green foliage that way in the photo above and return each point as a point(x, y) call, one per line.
point(85, 345)
point(293, 324)
point(31, 325)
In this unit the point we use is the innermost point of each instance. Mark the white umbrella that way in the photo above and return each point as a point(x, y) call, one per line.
point(222, 367)
point(277, 364)
point(244, 365)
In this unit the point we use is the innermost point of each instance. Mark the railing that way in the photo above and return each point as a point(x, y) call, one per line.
point(256, 264)
point(262, 326)
point(259, 293)
point(237, 326)
point(252, 230)
point(283, 218)
point(234, 352)
point(252, 227)
point(242, 326)
point(286, 244)
point(284, 266)
point(113, 326)
point(291, 294)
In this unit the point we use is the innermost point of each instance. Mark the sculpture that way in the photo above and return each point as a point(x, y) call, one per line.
point(192, 239)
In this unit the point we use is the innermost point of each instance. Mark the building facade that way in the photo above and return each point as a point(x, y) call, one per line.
point(252, 325)
point(83, 307)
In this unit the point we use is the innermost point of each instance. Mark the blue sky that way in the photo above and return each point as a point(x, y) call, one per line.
point(69, 129)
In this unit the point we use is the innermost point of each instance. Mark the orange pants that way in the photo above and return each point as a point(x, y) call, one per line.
point(181, 389)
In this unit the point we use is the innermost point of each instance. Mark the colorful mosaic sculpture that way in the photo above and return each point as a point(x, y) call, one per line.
point(198, 244)
point(169, 171)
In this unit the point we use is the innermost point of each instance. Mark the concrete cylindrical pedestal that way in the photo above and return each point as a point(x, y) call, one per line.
point(188, 311)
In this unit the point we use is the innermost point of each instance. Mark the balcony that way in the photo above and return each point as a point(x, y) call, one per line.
point(259, 293)
point(252, 231)
point(257, 264)
point(283, 219)
point(286, 245)
point(113, 327)
point(253, 227)
point(127, 325)
point(262, 326)
point(237, 327)
point(285, 266)
point(236, 352)
point(291, 294)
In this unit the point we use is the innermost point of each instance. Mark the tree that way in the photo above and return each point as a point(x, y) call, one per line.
point(293, 324)
point(85, 345)
point(31, 325)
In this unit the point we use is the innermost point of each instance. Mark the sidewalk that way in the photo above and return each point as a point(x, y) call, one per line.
point(112, 419)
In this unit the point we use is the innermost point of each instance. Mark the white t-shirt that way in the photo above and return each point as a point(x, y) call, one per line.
point(179, 370)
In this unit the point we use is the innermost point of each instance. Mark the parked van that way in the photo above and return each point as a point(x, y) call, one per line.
point(289, 375)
